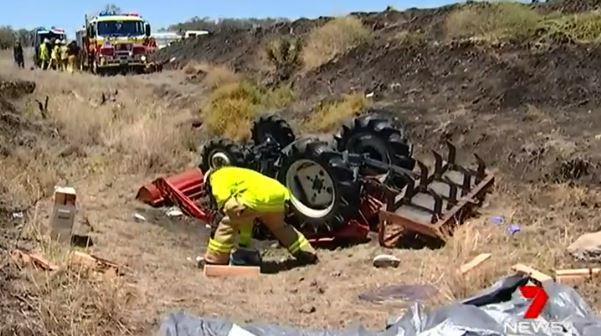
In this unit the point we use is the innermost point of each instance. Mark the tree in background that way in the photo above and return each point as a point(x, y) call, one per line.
point(7, 37)
point(206, 23)
point(111, 8)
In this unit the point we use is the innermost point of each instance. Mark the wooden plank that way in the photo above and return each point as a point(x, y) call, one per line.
point(477, 261)
point(532, 273)
point(570, 280)
point(231, 271)
point(84, 260)
point(576, 276)
point(578, 272)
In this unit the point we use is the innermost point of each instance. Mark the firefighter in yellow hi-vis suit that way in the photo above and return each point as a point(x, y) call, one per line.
point(243, 196)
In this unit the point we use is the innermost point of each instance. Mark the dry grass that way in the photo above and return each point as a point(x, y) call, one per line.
point(410, 38)
point(334, 38)
point(77, 302)
point(215, 75)
point(580, 28)
point(233, 107)
point(495, 21)
point(329, 116)
point(131, 128)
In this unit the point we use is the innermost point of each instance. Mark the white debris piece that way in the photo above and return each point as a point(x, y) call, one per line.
point(139, 218)
point(386, 260)
point(174, 212)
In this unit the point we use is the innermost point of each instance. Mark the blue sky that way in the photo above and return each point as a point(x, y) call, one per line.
point(69, 14)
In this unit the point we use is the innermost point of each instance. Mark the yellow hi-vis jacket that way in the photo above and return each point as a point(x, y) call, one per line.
point(251, 188)
point(63, 52)
point(44, 52)
point(55, 52)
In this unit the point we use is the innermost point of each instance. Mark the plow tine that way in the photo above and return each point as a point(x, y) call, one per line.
point(451, 155)
point(437, 211)
point(481, 173)
point(452, 195)
point(423, 176)
point(409, 190)
point(465, 188)
point(437, 164)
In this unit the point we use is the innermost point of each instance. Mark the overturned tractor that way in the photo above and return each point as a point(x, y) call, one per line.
point(363, 178)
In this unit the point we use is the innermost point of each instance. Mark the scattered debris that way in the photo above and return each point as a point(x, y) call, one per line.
point(497, 220)
point(63, 214)
point(513, 229)
point(532, 273)
point(94, 263)
point(174, 212)
point(231, 271)
point(576, 276)
point(399, 292)
point(587, 247)
point(386, 260)
point(139, 218)
point(23, 258)
point(477, 261)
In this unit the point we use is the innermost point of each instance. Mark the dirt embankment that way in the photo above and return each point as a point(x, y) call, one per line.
point(409, 65)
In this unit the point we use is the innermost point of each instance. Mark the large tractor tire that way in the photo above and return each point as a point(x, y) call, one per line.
point(377, 137)
point(272, 127)
point(222, 152)
point(325, 191)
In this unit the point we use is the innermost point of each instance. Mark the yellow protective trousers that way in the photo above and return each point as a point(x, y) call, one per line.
point(238, 221)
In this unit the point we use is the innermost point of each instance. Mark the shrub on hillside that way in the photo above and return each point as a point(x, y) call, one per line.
point(333, 38)
point(495, 21)
point(284, 54)
point(329, 116)
point(581, 27)
point(233, 107)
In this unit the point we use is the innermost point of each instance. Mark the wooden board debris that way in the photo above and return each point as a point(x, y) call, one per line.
point(231, 271)
point(532, 273)
point(576, 276)
point(24, 258)
point(84, 260)
point(477, 261)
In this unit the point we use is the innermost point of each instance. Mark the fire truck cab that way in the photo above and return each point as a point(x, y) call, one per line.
point(112, 43)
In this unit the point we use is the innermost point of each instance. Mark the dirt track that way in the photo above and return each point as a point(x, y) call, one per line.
point(534, 117)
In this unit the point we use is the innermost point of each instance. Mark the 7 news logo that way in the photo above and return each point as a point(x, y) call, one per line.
point(532, 326)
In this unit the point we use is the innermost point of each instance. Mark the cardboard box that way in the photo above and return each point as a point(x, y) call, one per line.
point(63, 214)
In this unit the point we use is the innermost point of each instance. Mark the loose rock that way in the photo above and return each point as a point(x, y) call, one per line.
point(587, 247)
point(386, 260)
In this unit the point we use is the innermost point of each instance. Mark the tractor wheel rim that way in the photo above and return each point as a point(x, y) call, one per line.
point(219, 159)
point(312, 188)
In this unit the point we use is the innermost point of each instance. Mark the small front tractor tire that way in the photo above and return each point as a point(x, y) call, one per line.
point(377, 137)
point(272, 127)
point(220, 152)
